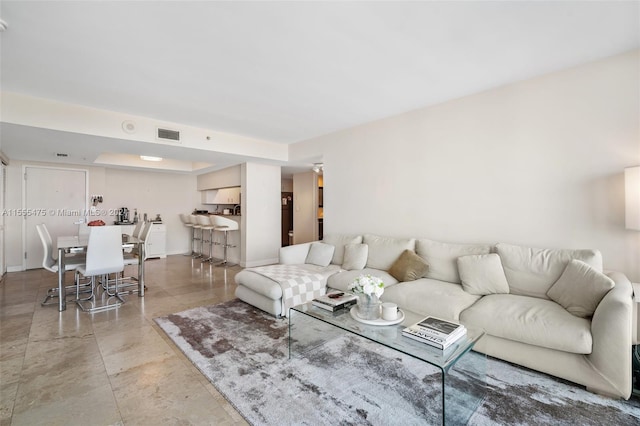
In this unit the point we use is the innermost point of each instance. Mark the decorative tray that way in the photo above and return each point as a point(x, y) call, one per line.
point(379, 321)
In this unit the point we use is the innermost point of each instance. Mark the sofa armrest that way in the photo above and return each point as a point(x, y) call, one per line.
point(611, 327)
point(295, 254)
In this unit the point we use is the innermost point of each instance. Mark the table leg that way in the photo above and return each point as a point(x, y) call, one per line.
point(62, 293)
point(141, 270)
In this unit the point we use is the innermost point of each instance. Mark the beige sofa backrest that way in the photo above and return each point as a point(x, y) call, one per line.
point(383, 251)
point(443, 257)
point(339, 241)
point(532, 271)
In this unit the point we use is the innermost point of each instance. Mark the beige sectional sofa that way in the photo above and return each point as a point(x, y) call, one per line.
point(554, 311)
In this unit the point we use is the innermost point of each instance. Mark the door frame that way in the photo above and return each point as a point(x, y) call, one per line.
point(3, 201)
point(24, 198)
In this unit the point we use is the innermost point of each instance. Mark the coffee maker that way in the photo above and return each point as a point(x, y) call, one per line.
point(123, 215)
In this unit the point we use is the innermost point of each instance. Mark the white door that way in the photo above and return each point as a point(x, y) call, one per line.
point(57, 198)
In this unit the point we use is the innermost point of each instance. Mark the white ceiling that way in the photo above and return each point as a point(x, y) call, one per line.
point(288, 71)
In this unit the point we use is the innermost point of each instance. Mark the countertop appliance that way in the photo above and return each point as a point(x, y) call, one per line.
point(123, 215)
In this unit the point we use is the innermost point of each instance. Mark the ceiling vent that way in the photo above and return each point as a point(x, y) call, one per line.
point(168, 135)
point(61, 154)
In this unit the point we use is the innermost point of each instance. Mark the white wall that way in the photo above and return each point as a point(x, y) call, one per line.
point(261, 214)
point(167, 194)
point(152, 192)
point(537, 163)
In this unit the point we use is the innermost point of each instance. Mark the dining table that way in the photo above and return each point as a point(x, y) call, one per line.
point(78, 244)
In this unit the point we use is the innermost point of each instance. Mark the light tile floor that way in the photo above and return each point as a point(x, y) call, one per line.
point(115, 367)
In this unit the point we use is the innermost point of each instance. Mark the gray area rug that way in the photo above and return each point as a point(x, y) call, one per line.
point(350, 381)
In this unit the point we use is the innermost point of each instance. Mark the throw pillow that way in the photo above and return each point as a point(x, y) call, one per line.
point(580, 288)
point(408, 267)
point(320, 254)
point(339, 241)
point(482, 274)
point(355, 256)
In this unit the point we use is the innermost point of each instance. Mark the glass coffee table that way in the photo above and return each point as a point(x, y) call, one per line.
point(310, 327)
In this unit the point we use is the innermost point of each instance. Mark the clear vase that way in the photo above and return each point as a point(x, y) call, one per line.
point(369, 306)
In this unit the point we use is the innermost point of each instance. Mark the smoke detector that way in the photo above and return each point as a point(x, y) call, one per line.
point(129, 126)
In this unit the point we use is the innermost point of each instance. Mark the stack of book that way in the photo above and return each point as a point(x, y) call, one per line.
point(435, 332)
point(335, 301)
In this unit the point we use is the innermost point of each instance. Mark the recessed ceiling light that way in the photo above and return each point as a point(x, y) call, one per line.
point(149, 158)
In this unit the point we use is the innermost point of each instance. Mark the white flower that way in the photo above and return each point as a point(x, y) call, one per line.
point(367, 284)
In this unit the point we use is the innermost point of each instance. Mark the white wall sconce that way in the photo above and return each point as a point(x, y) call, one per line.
point(632, 197)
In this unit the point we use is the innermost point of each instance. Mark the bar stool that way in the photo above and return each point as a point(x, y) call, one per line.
point(205, 225)
point(186, 221)
point(196, 226)
point(222, 224)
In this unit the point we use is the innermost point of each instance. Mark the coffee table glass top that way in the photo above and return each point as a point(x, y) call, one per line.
point(391, 335)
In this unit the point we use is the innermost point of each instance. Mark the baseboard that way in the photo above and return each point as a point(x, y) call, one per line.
point(15, 269)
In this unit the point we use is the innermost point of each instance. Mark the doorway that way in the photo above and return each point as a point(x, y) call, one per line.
point(287, 218)
point(55, 197)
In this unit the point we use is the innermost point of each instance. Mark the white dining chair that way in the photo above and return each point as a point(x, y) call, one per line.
point(104, 257)
point(83, 230)
point(138, 229)
point(50, 263)
point(129, 284)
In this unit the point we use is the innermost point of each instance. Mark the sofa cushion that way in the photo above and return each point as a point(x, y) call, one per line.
point(260, 284)
point(408, 267)
point(339, 241)
point(341, 280)
point(430, 297)
point(320, 254)
point(271, 289)
point(580, 288)
point(443, 257)
point(355, 256)
point(532, 271)
point(530, 320)
point(383, 251)
point(482, 274)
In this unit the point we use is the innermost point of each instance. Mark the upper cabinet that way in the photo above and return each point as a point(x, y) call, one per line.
point(221, 196)
point(224, 178)
point(231, 195)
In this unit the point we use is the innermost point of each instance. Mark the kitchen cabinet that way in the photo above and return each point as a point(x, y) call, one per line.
point(225, 178)
point(209, 196)
point(221, 196)
point(155, 243)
